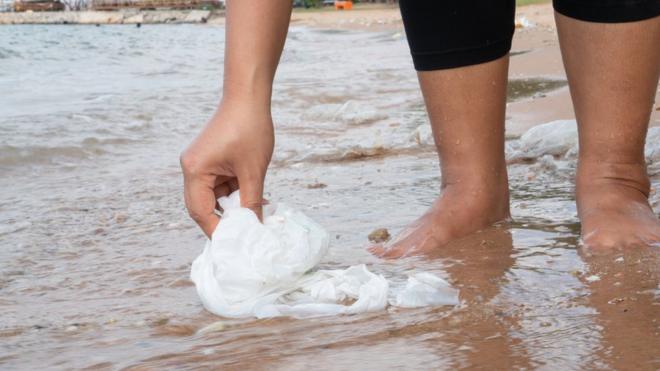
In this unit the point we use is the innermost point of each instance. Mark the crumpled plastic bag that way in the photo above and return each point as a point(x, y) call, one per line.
point(426, 289)
point(323, 293)
point(250, 269)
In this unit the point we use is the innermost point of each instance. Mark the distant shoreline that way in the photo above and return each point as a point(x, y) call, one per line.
point(128, 16)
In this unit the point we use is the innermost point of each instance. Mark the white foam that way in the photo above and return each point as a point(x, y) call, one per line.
point(560, 139)
point(554, 138)
point(250, 269)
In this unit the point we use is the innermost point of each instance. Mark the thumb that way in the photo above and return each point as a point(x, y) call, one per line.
point(252, 189)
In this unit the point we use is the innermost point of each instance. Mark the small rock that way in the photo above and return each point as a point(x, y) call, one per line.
point(317, 185)
point(379, 235)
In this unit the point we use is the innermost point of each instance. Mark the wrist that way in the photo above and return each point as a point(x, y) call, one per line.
point(252, 88)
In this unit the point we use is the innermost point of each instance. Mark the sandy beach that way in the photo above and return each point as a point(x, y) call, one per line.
point(97, 246)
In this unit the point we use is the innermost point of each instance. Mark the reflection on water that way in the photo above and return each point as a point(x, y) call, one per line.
point(96, 245)
point(531, 87)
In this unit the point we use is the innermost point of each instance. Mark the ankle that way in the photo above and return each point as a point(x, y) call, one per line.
point(490, 198)
point(476, 176)
point(593, 175)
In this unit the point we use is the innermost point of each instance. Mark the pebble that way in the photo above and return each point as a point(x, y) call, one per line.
point(317, 185)
point(379, 235)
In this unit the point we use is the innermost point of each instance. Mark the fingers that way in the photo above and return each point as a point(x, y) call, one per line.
point(221, 190)
point(198, 192)
point(252, 189)
point(200, 202)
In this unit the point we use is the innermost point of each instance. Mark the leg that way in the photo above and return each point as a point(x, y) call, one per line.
point(612, 70)
point(466, 109)
point(465, 96)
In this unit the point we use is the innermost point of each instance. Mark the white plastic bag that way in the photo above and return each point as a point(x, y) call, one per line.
point(426, 289)
point(250, 269)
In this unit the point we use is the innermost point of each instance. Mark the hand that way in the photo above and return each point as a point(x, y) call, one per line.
point(232, 151)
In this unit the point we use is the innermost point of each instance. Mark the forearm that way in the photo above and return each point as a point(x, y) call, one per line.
point(255, 35)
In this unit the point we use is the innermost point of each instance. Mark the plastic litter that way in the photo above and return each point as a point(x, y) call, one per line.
point(250, 269)
point(426, 289)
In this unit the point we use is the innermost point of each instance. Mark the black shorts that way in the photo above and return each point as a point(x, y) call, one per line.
point(453, 33)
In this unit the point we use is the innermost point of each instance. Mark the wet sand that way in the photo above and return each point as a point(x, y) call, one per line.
point(96, 244)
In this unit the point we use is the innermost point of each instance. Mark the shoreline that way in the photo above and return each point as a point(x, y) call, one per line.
point(128, 16)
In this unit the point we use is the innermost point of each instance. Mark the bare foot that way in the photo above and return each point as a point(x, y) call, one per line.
point(613, 206)
point(459, 211)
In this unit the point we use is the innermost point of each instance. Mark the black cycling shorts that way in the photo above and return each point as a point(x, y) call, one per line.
point(453, 33)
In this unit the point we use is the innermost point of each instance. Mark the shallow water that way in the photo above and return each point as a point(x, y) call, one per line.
point(96, 245)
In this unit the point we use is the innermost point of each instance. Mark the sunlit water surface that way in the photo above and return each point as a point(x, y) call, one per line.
point(96, 245)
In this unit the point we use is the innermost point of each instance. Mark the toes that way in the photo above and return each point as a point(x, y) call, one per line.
point(609, 241)
point(599, 240)
point(377, 249)
point(387, 252)
point(393, 253)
